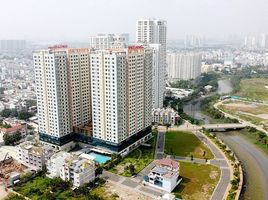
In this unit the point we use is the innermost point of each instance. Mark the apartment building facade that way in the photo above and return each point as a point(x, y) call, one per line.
point(121, 97)
point(33, 155)
point(62, 77)
point(107, 41)
point(184, 66)
point(154, 33)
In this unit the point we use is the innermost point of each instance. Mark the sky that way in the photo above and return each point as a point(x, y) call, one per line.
point(78, 19)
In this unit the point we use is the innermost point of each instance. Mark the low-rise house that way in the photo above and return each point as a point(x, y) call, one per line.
point(33, 155)
point(15, 128)
point(13, 121)
point(164, 176)
point(165, 116)
point(78, 170)
point(55, 163)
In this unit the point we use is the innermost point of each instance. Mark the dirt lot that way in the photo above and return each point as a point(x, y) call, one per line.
point(3, 193)
point(124, 193)
point(254, 109)
point(255, 113)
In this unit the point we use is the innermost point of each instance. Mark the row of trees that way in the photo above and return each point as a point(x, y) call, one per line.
point(205, 79)
point(23, 115)
point(184, 84)
point(235, 163)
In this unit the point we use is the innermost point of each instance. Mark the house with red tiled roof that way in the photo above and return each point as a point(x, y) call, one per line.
point(17, 127)
point(164, 176)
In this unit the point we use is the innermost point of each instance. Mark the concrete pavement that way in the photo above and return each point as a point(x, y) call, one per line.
point(221, 161)
point(132, 184)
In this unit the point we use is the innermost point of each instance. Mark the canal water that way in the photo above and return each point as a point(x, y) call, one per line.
point(253, 160)
point(193, 107)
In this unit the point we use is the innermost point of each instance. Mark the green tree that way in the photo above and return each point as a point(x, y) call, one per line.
point(24, 115)
point(5, 113)
point(12, 139)
point(98, 170)
point(131, 169)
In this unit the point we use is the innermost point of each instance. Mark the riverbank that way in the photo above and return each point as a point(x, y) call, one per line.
point(192, 108)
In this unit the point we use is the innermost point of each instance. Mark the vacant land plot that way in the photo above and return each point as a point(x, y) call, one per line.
point(252, 112)
point(182, 143)
point(255, 88)
point(199, 181)
point(119, 192)
point(253, 108)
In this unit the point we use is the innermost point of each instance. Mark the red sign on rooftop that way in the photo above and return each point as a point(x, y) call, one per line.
point(135, 47)
point(58, 46)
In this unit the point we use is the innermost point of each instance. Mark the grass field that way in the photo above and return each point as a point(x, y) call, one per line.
point(140, 158)
point(254, 89)
point(198, 181)
point(184, 144)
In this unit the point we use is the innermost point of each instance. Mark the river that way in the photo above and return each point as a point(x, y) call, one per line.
point(193, 108)
point(254, 161)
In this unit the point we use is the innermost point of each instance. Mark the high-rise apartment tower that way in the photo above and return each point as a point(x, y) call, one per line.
point(154, 33)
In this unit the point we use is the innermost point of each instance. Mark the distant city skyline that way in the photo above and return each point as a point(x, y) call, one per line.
point(64, 20)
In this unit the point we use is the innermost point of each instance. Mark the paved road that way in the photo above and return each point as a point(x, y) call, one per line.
point(188, 159)
point(145, 171)
point(160, 145)
point(220, 161)
point(254, 162)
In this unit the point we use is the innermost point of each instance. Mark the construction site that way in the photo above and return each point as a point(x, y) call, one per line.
point(9, 168)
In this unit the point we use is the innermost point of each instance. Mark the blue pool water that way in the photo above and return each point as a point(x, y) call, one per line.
point(99, 158)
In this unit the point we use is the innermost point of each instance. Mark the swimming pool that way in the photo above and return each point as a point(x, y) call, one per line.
point(99, 158)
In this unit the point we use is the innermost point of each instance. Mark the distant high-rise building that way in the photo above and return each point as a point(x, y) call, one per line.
point(250, 42)
point(62, 77)
point(106, 41)
point(263, 43)
point(121, 84)
point(154, 33)
point(184, 66)
point(191, 41)
point(12, 45)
